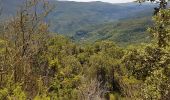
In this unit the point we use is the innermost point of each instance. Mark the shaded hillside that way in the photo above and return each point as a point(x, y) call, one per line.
point(124, 32)
point(9, 7)
point(69, 17)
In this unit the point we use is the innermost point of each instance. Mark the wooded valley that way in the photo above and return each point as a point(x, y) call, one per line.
point(126, 59)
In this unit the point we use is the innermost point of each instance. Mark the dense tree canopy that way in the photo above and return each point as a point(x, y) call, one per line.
point(38, 65)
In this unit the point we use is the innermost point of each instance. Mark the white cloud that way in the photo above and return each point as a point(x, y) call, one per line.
point(110, 1)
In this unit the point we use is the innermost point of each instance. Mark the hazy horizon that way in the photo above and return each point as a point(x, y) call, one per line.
point(109, 1)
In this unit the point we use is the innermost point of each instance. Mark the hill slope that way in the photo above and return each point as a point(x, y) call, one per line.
point(69, 17)
point(93, 21)
point(123, 32)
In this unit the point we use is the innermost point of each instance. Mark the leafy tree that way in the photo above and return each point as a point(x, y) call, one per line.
point(25, 36)
point(151, 62)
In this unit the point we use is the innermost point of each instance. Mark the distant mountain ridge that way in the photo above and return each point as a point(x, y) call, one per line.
point(69, 17)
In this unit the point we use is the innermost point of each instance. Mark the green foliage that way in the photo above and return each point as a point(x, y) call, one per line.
point(2, 45)
point(13, 92)
point(151, 63)
point(41, 66)
point(3, 93)
point(156, 87)
point(65, 67)
point(123, 32)
point(42, 91)
point(161, 28)
point(18, 94)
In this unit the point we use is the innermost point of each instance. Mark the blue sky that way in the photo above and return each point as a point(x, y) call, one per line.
point(110, 1)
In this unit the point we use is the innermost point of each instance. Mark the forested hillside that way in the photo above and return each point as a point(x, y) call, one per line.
point(37, 64)
point(124, 32)
point(92, 21)
point(69, 17)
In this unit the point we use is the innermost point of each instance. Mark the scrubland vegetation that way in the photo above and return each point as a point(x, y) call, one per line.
point(36, 64)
